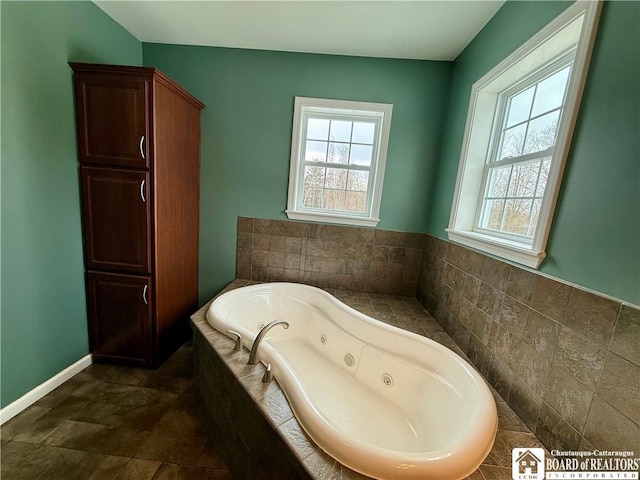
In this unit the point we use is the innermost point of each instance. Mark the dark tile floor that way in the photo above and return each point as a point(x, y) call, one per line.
point(114, 423)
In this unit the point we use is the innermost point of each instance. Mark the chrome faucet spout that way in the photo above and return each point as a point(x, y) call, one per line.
point(253, 357)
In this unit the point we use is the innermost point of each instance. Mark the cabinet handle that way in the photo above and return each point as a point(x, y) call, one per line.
point(144, 295)
point(144, 199)
point(142, 147)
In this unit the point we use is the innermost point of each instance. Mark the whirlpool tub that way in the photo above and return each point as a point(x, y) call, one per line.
point(385, 402)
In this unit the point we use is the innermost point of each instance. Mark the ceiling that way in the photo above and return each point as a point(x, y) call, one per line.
point(427, 30)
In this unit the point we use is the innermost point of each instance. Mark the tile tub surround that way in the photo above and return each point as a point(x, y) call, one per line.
point(259, 436)
point(566, 360)
point(329, 256)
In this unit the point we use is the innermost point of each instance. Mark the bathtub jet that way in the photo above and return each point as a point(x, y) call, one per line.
point(385, 402)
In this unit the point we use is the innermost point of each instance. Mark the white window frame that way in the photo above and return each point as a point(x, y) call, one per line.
point(555, 65)
point(380, 113)
point(484, 120)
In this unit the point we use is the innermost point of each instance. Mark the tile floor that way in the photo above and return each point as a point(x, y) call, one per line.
point(114, 423)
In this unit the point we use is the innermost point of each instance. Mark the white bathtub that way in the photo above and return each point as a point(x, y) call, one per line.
point(385, 402)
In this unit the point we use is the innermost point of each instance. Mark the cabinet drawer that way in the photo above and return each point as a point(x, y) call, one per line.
point(120, 318)
point(113, 120)
point(116, 219)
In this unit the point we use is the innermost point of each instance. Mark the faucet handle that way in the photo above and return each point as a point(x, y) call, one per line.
point(238, 345)
point(268, 376)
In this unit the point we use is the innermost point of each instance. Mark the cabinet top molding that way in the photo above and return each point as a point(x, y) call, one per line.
point(150, 73)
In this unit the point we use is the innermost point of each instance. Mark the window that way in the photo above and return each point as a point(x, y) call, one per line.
point(516, 174)
point(519, 126)
point(338, 155)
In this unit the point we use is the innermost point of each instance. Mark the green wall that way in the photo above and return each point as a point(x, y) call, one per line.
point(44, 324)
point(595, 238)
point(246, 133)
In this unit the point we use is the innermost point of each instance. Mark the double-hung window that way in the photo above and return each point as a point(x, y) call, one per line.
point(515, 175)
point(338, 155)
point(519, 127)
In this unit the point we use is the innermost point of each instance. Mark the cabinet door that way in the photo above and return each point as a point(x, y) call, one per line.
point(113, 120)
point(116, 219)
point(120, 318)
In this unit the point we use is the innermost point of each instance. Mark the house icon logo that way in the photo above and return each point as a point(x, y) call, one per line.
point(527, 463)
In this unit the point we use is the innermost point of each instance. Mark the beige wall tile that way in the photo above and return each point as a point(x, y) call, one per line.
point(380, 253)
point(315, 247)
point(293, 245)
point(466, 312)
point(245, 225)
point(278, 227)
point(276, 259)
point(579, 357)
point(365, 235)
point(487, 299)
point(554, 431)
point(532, 367)
point(609, 429)
point(475, 264)
point(626, 336)
point(495, 273)
point(292, 261)
point(297, 229)
point(521, 284)
point(261, 225)
point(541, 333)
point(550, 298)
point(524, 402)
point(276, 243)
point(512, 315)
point(620, 385)
point(261, 241)
point(457, 256)
point(363, 251)
point(592, 315)
point(396, 255)
point(245, 240)
point(471, 288)
point(481, 326)
point(567, 396)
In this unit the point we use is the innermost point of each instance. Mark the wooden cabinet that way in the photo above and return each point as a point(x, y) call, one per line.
point(138, 147)
point(116, 227)
point(119, 317)
point(114, 126)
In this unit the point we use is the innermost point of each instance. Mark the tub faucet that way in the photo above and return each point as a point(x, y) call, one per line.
point(253, 357)
point(268, 376)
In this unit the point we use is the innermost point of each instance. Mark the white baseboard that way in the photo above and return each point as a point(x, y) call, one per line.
point(32, 396)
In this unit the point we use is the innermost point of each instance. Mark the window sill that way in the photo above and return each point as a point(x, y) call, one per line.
point(332, 218)
point(509, 250)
